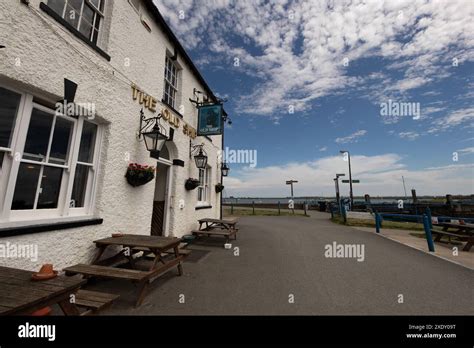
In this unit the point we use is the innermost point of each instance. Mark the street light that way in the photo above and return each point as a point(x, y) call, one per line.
point(350, 176)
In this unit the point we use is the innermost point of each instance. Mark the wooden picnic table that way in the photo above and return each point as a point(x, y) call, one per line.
point(217, 223)
point(463, 228)
point(225, 228)
point(463, 232)
point(19, 295)
point(153, 246)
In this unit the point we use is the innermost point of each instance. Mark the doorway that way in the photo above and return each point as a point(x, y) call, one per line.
point(159, 220)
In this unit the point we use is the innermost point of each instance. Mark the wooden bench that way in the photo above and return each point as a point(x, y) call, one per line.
point(94, 301)
point(462, 237)
point(108, 272)
point(216, 232)
point(144, 278)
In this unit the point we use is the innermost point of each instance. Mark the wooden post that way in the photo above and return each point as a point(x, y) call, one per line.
point(279, 208)
point(415, 200)
point(253, 207)
point(330, 209)
point(305, 214)
point(232, 208)
point(429, 238)
point(344, 216)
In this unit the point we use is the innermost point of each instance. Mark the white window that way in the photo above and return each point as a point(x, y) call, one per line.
point(85, 16)
point(204, 193)
point(49, 161)
point(9, 104)
point(171, 83)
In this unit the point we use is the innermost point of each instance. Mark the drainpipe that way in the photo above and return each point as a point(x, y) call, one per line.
point(222, 177)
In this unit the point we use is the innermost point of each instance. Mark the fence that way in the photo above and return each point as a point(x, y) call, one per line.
point(279, 206)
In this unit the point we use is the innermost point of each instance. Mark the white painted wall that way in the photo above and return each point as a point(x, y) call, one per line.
point(48, 53)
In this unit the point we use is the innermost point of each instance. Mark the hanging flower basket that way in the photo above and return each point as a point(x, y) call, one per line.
point(138, 175)
point(191, 184)
point(219, 188)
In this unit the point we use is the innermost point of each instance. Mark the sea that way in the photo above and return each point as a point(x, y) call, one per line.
point(309, 200)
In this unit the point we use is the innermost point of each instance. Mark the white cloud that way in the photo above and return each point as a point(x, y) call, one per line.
point(455, 118)
point(378, 175)
point(408, 135)
point(467, 150)
point(426, 111)
point(324, 148)
point(410, 83)
point(354, 137)
point(298, 47)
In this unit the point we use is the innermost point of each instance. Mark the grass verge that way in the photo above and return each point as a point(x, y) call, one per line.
point(385, 224)
point(260, 212)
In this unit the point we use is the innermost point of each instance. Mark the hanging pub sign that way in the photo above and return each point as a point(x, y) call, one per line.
point(210, 120)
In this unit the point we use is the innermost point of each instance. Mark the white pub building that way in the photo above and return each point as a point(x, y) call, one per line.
point(81, 85)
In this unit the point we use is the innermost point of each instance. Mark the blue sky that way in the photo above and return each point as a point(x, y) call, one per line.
point(334, 64)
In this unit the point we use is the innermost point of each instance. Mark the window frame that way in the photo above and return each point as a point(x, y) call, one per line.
point(8, 150)
point(22, 213)
point(12, 161)
point(169, 99)
point(98, 12)
point(7, 161)
point(205, 187)
point(101, 36)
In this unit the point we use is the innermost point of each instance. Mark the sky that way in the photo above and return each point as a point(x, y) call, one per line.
point(392, 82)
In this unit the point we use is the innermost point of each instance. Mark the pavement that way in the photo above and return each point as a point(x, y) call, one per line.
point(281, 269)
point(449, 251)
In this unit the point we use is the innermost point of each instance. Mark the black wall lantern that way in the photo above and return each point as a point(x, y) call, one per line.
point(225, 169)
point(153, 134)
point(201, 157)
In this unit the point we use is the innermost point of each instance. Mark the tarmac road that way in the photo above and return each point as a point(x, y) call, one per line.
point(283, 258)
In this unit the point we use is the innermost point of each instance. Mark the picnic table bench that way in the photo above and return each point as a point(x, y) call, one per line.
point(209, 227)
point(131, 245)
point(464, 232)
point(19, 295)
point(93, 301)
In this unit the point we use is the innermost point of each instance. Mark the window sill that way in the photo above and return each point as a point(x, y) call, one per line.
point(200, 207)
point(73, 30)
point(171, 108)
point(38, 226)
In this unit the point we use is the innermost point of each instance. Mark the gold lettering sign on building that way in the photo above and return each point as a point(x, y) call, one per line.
point(144, 99)
point(150, 103)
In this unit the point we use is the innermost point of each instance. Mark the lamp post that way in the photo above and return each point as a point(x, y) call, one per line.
point(350, 176)
point(224, 166)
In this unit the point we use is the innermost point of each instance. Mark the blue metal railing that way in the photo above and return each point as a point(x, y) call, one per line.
point(426, 219)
